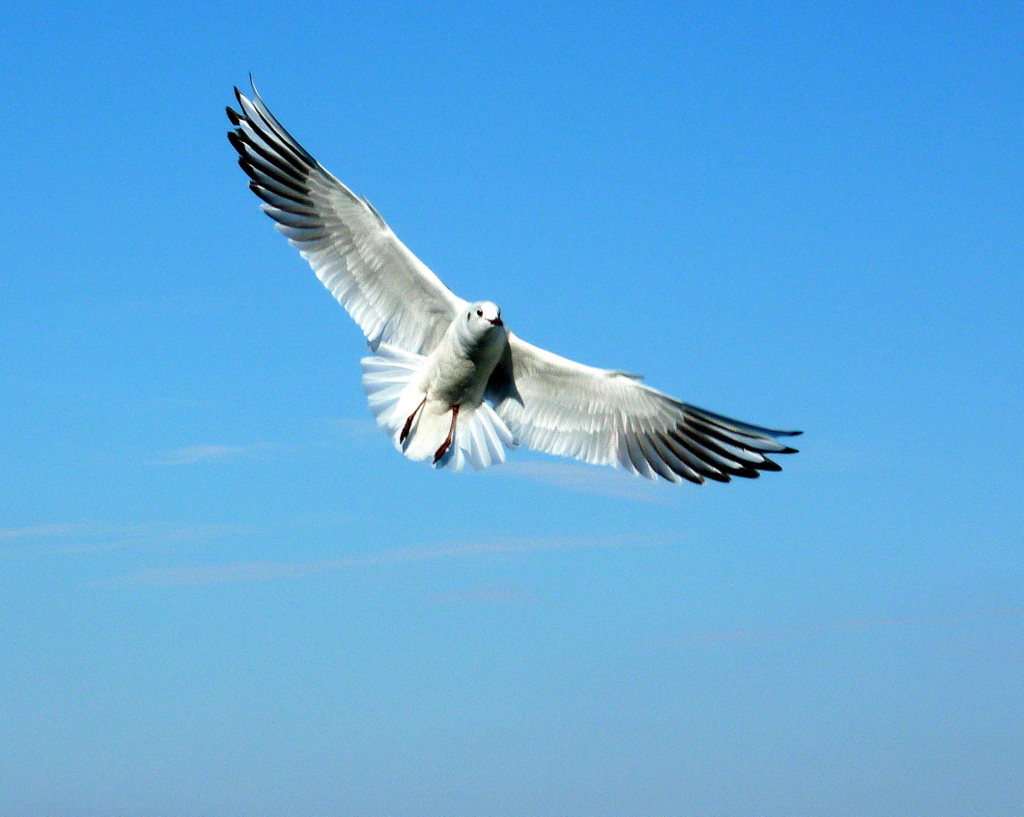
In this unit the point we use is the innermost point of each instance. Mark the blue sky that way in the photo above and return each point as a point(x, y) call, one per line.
point(223, 592)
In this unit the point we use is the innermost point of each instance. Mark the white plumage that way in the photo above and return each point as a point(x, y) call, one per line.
point(445, 380)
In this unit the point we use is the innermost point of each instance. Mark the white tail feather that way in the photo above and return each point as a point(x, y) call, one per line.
point(394, 393)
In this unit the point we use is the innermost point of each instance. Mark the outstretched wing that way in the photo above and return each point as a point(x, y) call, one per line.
point(561, 407)
point(389, 292)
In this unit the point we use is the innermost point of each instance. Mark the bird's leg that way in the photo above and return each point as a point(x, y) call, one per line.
point(451, 433)
point(408, 423)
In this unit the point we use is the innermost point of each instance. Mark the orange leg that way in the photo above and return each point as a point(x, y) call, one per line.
point(448, 440)
point(408, 423)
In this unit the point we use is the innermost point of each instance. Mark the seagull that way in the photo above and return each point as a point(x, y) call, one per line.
point(445, 378)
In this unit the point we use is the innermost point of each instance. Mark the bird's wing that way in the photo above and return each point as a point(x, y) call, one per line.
point(599, 416)
point(389, 292)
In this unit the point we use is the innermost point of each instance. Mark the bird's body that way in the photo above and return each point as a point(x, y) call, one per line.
point(425, 407)
point(446, 380)
point(457, 371)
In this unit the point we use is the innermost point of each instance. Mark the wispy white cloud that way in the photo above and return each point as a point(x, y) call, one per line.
point(42, 531)
point(70, 538)
point(150, 535)
point(209, 452)
point(589, 479)
point(265, 571)
point(331, 433)
point(488, 594)
point(352, 428)
point(182, 403)
point(343, 432)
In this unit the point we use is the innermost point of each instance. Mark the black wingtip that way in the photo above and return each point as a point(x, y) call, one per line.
point(236, 142)
point(248, 168)
point(234, 116)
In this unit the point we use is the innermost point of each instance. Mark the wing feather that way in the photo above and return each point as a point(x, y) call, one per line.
point(555, 405)
point(386, 289)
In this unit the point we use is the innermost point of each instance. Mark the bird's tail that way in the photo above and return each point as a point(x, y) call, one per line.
point(420, 428)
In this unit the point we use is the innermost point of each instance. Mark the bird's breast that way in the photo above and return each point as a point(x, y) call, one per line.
point(459, 370)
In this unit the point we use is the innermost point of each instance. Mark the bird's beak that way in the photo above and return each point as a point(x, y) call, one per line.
point(497, 322)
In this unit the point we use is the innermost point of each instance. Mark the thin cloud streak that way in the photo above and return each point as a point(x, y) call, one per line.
point(75, 538)
point(333, 433)
point(42, 531)
point(146, 536)
point(587, 479)
point(351, 428)
point(208, 452)
point(182, 403)
point(267, 571)
point(489, 594)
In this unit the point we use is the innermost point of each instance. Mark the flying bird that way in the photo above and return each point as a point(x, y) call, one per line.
point(446, 379)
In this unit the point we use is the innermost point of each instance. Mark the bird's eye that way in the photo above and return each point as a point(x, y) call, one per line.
point(479, 313)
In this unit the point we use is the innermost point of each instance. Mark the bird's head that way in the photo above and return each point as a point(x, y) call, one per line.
point(482, 317)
